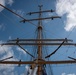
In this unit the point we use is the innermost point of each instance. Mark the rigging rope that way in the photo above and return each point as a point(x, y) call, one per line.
point(16, 14)
point(45, 49)
point(12, 20)
point(52, 74)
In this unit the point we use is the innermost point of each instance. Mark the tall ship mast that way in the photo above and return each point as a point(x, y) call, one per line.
point(39, 60)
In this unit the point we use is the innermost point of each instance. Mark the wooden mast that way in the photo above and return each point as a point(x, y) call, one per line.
point(38, 42)
point(39, 46)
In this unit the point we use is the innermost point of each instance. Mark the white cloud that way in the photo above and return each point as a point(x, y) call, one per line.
point(22, 74)
point(48, 15)
point(10, 38)
point(9, 2)
point(2, 27)
point(63, 73)
point(68, 74)
point(20, 12)
point(71, 74)
point(27, 67)
point(5, 2)
point(21, 50)
point(67, 7)
point(7, 73)
point(5, 52)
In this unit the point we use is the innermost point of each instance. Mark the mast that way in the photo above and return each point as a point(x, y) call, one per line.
point(39, 42)
point(39, 28)
point(39, 37)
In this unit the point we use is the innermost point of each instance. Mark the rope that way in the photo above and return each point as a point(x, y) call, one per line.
point(13, 21)
point(17, 14)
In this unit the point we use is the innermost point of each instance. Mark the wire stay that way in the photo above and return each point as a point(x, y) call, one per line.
point(15, 13)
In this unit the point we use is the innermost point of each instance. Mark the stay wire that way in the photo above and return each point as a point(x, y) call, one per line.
point(16, 14)
point(70, 31)
point(7, 17)
point(69, 34)
point(46, 52)
point(53, 32)
point(10, 19)
point(46, 48)
point(35, 47)
point(50, 67)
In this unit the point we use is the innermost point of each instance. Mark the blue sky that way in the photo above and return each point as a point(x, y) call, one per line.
point(11, 28)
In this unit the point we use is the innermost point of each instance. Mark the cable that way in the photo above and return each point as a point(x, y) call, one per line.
point(12, 20)
point(51, 72)
point(16, 14)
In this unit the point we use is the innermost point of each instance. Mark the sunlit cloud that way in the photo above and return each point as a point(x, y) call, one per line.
point(5, 52)
point(9, 2)
point(10, 38)
point(21, 50)
point(5, 2)
point(67, 74)
point(2, 27)
point(48, 15)
point(68, 8)
point(20, 12)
